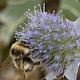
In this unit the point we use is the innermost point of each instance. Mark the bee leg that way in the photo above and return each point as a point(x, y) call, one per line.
point(36, 63)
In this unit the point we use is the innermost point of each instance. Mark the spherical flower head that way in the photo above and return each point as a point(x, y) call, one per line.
point(51, 37)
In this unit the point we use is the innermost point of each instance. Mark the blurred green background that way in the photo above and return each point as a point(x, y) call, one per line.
point(12, 15)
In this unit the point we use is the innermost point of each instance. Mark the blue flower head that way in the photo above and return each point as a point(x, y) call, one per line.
point(51, 38)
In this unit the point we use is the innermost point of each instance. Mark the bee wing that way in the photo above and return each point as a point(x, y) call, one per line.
point(8, 71)
point(7, 64)
point(38, 73)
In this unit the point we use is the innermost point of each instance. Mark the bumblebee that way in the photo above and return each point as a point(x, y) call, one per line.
point(20, 66)
point(18, 51)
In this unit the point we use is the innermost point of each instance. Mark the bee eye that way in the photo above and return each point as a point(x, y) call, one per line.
point(27, 59)
point(15, 52)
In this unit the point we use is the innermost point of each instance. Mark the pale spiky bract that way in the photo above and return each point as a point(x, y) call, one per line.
point(51, 38)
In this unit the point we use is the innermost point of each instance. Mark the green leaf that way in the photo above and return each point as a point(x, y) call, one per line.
point(16, 1)
point(51, 76)
point(14, 12)
point(77, 25)
point(72, 70)
point(71, 9)
point(13, 16)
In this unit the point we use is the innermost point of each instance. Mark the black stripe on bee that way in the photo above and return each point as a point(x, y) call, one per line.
point(16, 52)
point(36, 63)
point(24, 44)
point(27, 59)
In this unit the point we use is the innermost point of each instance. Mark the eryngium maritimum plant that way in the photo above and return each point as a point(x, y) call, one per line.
point(51, 38)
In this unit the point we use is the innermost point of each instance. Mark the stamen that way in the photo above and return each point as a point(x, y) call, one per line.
point(35, 10)
point(44, 7)
point(40, 7)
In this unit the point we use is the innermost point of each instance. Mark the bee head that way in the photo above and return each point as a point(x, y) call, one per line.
point(19, 48)
point(18, 51)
